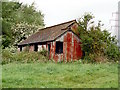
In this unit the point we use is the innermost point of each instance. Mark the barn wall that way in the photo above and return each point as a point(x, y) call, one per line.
point(24, 48)
point(71, 48)
point(41, 47)
point(27, 48)
point(53, 55)
point(18, 49)
point(31, 48)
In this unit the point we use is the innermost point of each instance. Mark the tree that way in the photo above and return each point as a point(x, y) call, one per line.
point(8, 8)
point(14, 14)
point(85, 21)
point(23, 31)
point(95, 41)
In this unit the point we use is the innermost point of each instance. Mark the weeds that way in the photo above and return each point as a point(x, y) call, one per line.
point(22, 57)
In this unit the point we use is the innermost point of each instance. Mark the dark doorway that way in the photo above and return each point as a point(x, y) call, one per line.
point(48, 48)
point(59, 48)
point(20, 48)
point(36, 47)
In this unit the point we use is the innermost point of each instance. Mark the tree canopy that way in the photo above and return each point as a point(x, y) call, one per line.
point(18, 20)
point(95, 40)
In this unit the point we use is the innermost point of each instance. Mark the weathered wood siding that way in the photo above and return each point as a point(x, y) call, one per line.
point(71, 48)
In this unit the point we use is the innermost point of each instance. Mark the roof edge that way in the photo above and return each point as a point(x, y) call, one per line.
point(34, 43)
point(58, 24)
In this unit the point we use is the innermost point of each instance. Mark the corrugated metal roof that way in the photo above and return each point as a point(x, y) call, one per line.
point(48, 33)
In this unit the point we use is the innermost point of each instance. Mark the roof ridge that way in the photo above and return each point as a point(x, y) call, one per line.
point(57, 24)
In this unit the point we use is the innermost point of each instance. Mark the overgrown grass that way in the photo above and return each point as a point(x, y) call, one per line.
point(23, 57)
point(60, 75)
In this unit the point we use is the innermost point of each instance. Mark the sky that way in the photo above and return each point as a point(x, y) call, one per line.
point(59, 11)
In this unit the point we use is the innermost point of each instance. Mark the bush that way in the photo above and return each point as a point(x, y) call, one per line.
point(113, 52)
point(7, 56)
point(95, 58)
point(100, 58)
point(44, 53)
point(22, 57)
point(98, 44)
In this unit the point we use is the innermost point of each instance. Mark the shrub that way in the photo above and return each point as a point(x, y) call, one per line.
point(95, 58)
point(7, 56)
point(113, 52)
point(27, 48)
point(44, 52)
point(96, 42)
point(28, 57)
point(100, 58)
point(22, 57)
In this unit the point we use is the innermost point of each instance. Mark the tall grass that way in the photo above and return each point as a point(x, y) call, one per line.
point(60, 75)
point(22, 57)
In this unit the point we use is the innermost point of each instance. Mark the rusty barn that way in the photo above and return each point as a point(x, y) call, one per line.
point(61, 41)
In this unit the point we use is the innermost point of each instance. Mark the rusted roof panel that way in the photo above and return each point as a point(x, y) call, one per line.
point(48, 33)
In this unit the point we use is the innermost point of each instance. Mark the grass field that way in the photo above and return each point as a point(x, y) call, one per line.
point(52, 75)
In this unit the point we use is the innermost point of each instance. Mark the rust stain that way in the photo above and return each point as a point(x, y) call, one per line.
point(71, 43)
point(71, 49)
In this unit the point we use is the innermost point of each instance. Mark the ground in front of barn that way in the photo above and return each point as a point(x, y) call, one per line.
point(60, 75)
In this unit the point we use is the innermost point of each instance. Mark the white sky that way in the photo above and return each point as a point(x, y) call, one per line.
point(58, 11)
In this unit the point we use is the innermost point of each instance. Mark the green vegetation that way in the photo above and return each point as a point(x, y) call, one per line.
point(97, 42)
point(34, 70)
point(18, 22)
point(23, 57)
point(60, 75)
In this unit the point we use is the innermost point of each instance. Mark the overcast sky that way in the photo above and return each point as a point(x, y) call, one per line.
point(58, 11)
